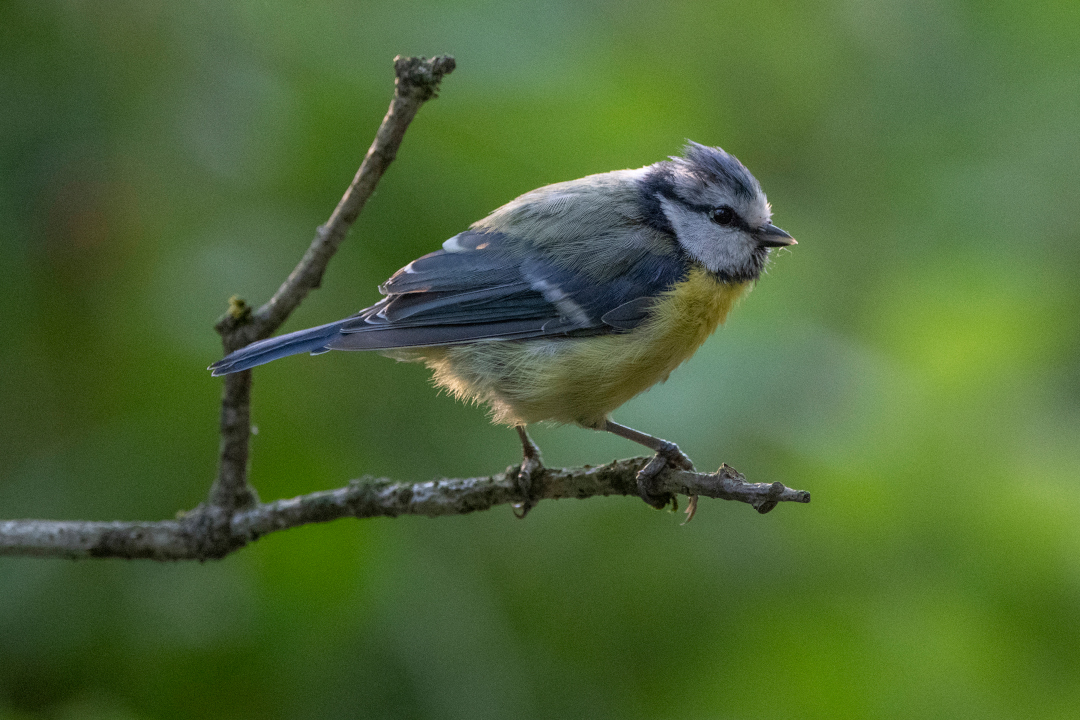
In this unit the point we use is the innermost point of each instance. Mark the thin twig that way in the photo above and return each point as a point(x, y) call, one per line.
point(208, 533)
point(417, 81)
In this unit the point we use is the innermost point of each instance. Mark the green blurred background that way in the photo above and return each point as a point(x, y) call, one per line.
point(912, 363)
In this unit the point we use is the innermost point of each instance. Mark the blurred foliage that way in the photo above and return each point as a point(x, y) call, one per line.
point(913, 362)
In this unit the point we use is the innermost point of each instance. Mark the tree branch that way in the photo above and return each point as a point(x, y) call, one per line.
point(416, 81)
point(209, 533)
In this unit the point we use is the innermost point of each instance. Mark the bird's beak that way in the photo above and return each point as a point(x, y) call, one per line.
point(772, 236)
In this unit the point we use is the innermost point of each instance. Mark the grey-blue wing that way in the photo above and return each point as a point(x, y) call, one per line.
point(490, 286)
point(482, 286)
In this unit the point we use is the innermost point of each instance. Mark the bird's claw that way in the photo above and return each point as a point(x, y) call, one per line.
point(530, 468)
point(667, 455)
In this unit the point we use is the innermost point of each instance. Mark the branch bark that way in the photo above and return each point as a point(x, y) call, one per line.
point(233, 515)
point(209, 533)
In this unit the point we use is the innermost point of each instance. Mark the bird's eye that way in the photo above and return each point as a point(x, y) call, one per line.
point(722, 215)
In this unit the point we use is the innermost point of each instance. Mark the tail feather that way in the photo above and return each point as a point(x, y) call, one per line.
point(312, 340)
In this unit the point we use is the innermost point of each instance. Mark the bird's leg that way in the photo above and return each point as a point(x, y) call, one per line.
point(531, 464)
point(667, 453)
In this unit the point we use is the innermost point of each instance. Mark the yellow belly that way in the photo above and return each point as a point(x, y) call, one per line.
point(581, 380)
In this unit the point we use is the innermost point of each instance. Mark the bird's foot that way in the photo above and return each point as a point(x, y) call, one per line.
point(530, 467)
point(667, 455)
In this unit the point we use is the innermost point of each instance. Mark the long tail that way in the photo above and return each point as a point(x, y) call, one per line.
point(312, 340)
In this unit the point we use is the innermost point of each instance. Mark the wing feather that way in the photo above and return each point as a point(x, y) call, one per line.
point(486, 284)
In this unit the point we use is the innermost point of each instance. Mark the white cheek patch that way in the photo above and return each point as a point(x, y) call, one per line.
point(720, 249)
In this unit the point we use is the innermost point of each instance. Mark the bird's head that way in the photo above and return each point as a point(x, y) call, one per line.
point(716, 210)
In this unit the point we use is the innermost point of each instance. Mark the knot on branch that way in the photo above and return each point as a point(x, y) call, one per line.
point(208, 532)
point(420, 76)
point(237, 316)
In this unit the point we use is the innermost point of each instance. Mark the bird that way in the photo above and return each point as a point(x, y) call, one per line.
point(569, 300)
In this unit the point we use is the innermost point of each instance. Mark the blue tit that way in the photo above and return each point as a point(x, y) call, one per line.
point(571, 299)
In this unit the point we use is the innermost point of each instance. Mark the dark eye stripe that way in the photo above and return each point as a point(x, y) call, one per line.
point(707, 210)
point(736, 220)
